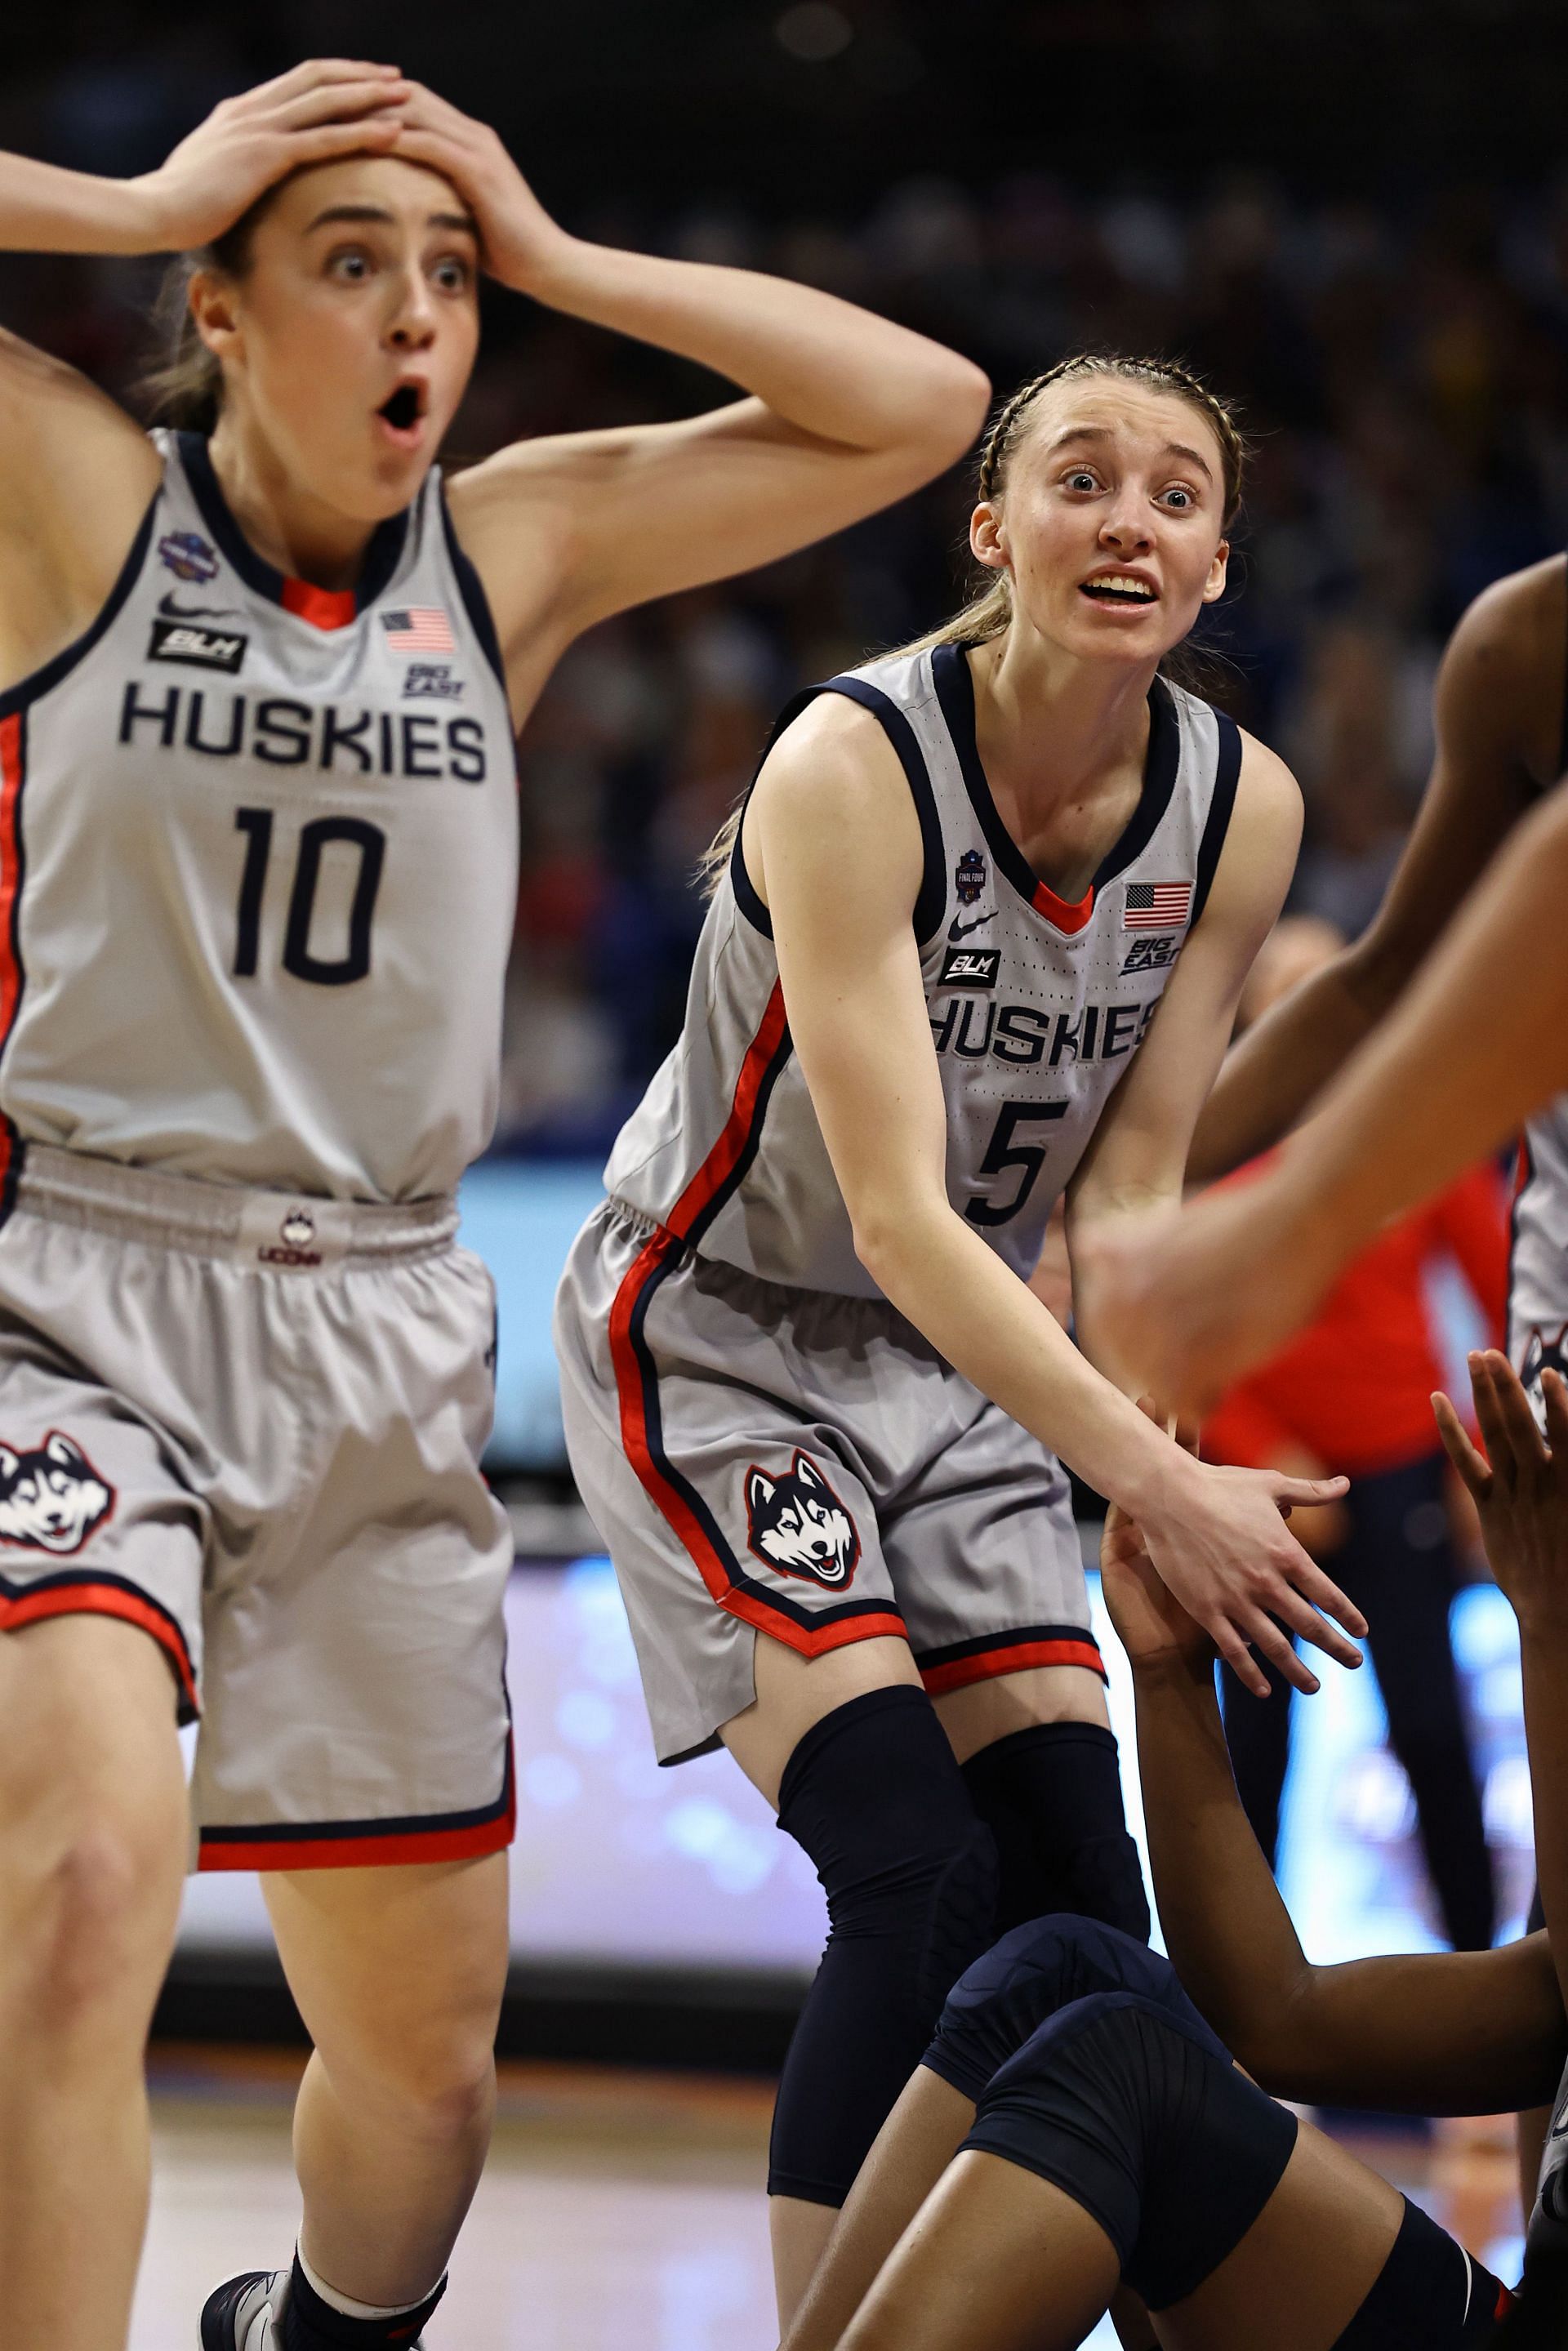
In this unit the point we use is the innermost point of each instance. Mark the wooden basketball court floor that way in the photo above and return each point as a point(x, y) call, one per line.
point(619, 2211)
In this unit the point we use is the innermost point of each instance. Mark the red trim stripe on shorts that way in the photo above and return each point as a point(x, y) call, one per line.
point(363, 1844)
point(809, 1631)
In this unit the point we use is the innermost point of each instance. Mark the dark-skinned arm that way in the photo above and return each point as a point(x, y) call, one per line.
point(1498, 719)
point(1449, 2033)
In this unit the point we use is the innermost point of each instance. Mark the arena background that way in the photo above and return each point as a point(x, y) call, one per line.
point(1355, 222)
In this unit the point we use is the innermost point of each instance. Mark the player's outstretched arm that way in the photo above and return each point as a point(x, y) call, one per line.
point(1520, 1489)
point(848, 411)
point(1466, 2032)
point(1475, 1045)
point(833, 845)
point(1498, 696)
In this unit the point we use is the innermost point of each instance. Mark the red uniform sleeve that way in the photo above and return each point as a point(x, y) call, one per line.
point(1246, 1432)
point(1470, 1220)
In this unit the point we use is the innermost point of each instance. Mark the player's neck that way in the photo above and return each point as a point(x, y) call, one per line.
point(1051, 726)
point(290, 527)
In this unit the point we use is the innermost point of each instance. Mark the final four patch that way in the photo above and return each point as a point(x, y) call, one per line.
point(187, 555)
point(969, 877)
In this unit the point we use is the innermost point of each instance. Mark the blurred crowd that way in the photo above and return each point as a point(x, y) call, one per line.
point(1402, 371)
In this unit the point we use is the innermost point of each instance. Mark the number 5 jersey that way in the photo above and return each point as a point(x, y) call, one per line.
point(258, 864)
point(1036, 1004)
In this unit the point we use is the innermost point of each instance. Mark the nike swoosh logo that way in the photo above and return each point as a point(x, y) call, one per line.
point(957, 930)
point(173, 610)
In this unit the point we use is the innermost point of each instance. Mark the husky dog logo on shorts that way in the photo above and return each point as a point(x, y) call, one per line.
point(52, 1498)
point(798, 1524)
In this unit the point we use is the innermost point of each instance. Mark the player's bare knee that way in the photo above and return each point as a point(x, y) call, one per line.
point(435, 2082)
point(101, 1890)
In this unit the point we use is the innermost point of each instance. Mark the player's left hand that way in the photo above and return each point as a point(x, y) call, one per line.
point(1150, 1620)
point(518, 237)
point(1519, 1485)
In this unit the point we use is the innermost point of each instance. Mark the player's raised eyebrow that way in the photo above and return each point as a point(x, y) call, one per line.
point(379, 213)
point(1103, 433)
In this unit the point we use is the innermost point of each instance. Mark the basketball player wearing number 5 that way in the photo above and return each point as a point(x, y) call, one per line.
point(259, 679)
point(976, 944)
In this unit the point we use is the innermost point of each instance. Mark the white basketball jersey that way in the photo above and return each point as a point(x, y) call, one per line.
point(1037, 1006)
point(258, 864)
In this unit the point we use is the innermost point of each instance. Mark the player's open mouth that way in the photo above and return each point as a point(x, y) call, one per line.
point(403, 413)
point(1124, 589)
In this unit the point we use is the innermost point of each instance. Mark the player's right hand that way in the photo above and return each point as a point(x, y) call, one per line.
point(1519, 1485)
point(1220, 1544)
point(319, 111)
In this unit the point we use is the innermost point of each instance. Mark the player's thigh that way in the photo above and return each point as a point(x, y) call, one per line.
point(1308, 2262)
point(93, 1816)
point(984, 1711)
point(996, 2259)
point(795, 1692)
point(397, 1971)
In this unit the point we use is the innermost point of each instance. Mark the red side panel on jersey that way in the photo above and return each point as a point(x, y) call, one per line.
point(678, 1501)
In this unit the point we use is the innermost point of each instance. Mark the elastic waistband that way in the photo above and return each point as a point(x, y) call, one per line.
point(279, 1231)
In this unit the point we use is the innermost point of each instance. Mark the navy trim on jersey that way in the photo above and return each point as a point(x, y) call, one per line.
point(931, 900)
point(956, 691)
point(383, 555)
point(1222, 804)
point(471, 588)
point(43, 681)
point(13, 1149)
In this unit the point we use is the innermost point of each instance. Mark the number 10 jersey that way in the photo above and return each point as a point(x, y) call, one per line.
point(258, 864)
point(1036, 1004)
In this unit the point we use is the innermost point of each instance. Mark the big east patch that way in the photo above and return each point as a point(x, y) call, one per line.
point(797, 1523)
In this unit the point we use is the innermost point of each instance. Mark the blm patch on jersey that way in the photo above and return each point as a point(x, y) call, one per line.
point(795, 1522)
point(199, 647)
point(969, 968)
point(51, 1497)
point(1150, 955)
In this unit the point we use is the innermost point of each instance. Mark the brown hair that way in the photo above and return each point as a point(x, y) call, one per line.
point(990, 608)
point(184, 384)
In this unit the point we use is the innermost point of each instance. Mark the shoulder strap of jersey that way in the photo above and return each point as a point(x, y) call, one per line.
point(931, 900)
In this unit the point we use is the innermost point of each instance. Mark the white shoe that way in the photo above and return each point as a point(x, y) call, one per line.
point(246, 2314)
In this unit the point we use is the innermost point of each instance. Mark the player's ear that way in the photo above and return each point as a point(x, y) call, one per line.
point(1214, 586)
point(214, 310)
point(985, 537)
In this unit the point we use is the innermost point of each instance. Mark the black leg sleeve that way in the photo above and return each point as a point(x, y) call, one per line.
point(1051, 1797)
point(873, 1793)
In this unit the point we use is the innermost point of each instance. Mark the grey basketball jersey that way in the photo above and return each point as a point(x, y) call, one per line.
point(1037, 1006)
point(1538, 1258)
point(258, 864)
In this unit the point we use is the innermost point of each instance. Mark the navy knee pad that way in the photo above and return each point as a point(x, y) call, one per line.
point(1051, 1796)
point(1140, 2118)
point(1022, 1982)
point(873, 1795)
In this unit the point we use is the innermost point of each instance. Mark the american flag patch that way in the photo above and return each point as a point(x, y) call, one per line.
point(1155, 906)
point(419, 628)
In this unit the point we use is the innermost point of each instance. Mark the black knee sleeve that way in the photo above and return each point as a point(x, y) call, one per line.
point(873, 1795)
point(1022, 1981)
point(1430, 2296)
point(1051, 1797)
point(1141, 2118)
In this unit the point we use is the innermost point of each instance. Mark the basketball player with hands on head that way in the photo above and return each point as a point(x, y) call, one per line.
point(1080, 2124)
point(259, 681)
point(974, 941)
